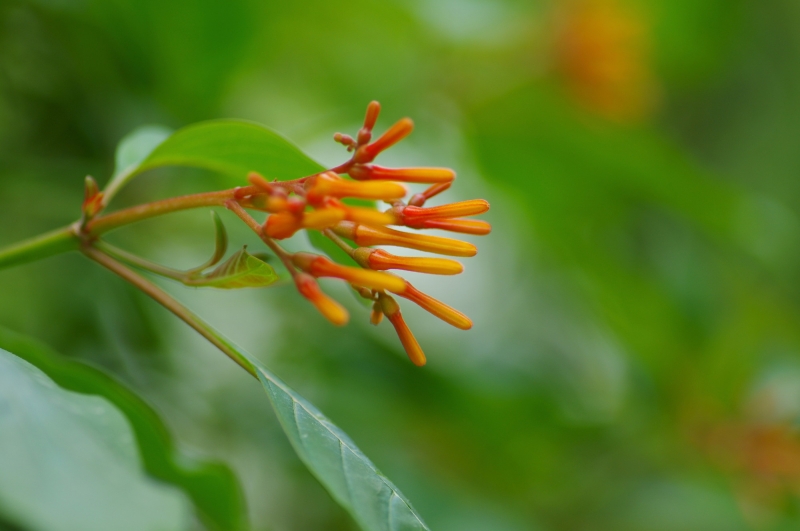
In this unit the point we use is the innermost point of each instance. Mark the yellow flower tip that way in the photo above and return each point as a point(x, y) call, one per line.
point(329, 184)
point(367, 236)
point(436, 307)
point(381, 260)
point(319, 266)
point(463, 226)
point(392, 136)
point(323, 218)
point(281, 225)
point(368, 216)
point(413, 215)
point(392, 311)
point(276, 204)
point(364, 172)
point(329, 308)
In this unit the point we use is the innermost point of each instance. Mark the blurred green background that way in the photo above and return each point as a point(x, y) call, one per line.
point(635, 360)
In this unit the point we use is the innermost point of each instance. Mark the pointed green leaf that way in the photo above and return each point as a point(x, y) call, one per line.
point(69, 461)
point(242, 270)
point(350, 477)
point(131, 151)
point(212, 486)
point(233, 148)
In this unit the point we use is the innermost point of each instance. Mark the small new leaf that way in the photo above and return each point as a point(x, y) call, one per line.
point(242, 270)
point(220, 244)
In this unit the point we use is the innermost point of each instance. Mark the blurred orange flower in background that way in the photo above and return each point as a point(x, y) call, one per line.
point(602, 53)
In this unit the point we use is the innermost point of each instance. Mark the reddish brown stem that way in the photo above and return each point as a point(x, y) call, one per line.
point(126, 216)
point(237, 209)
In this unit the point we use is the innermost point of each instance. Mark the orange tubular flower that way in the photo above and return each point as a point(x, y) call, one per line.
point(322, 218)
point(436, 307)
point(392, 311)
point(392, 136)
point(366, 236)
point(319, 266)
point(329, 184)
point(436, 189)
point(368, 216)
point(413, 215)
point(365, 172)
point(329, 308)
point(282, 225)
point(381, 260)
point(464, 226)
point(365, 134)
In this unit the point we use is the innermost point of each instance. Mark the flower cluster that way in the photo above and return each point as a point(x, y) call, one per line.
point(317, 202)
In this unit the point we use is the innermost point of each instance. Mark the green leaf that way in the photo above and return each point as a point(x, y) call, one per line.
point(137, 146)
point(242, 270)
point(131, 151)
point(350, 477)
point(212, 486)
point(69, 461)
point(220, 243)
point(233, 148)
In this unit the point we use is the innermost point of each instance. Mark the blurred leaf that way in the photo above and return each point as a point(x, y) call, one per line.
point(212, 487)
point(588, 186)
point(69, 461)
point(242, 270)
point(351, 478)
point(695, 38)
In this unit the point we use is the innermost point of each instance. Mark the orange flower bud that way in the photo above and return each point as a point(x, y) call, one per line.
point(345, 140)
point(329, 308)
point(319, 266)
point(258, 180)
point(329, 184)
point(392, 136)
point(436, 307)
point(365, 133)
point(282, 225)
point(276, 203)
point(362, 172)
point(464, 226)
point(295, 205)
point(436, 189)
point(392, 311)
point(367, 236)
point(373, 110)
point(368, 216)
point(380, 260)
point(376, 316)
point(322, 218)
point(413, 215)
point(92, 198)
